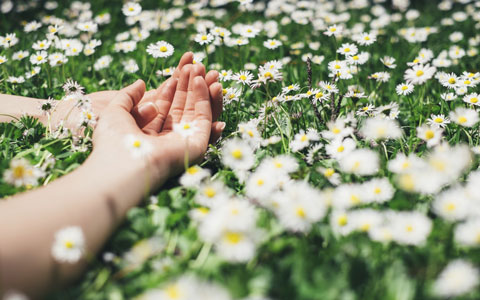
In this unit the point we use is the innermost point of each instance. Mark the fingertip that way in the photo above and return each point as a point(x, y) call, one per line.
point(199, 82)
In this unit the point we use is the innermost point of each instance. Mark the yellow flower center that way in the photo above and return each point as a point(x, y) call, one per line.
point(192, 170)
point(452, 80)
point(163, 49)
point(69, 244)
point(342, 220)
point(209, 192)
point(462, 120)
point(341, 148)
point(355, 199)
point(304, 138)
point(243, 77)
point(367, 38)
point(233, 237)
point(450, 207)
point(204, 37)
point(420, 73)
point(131, 8)
point(409, 228)
point(300, 212)
point(173, 292)
point(203, 210)
point(237, 154)
point(336, 130)
point(186, 126)
point(438, 120)
point(319, 95)
point(347, 50)
point(377, 190)
point(329, 172)
point(19, 172)
point(404, 87)
point(355, 57)
point(365, 227)
point(429, 134)
point(137, 144)
point(268, 74)
point(474, 100)
point(39, 58)
point(260, 182)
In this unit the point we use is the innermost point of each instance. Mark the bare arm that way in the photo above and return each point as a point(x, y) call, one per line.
point(96, 196)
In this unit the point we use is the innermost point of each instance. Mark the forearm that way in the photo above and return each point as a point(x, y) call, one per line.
point(95, 197)
point(15, 106)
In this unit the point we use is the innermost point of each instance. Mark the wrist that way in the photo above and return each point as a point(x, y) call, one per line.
point(122, 177)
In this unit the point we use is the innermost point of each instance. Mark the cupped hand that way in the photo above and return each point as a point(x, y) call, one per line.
point(148, 116)
point(118, 136)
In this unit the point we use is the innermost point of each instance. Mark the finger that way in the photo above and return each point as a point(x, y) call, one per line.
point(211, 77)
point(203, 110)
point(217, 100)
point(144, 113)
point(187, 58)
point(163, 103)
point(129, 96)
point(189, 111)
point(176, 109)
point(216, 131)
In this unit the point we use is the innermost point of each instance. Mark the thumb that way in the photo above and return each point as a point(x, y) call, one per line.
point(128, 97)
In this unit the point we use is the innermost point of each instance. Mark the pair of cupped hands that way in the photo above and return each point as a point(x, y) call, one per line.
point(190, 95)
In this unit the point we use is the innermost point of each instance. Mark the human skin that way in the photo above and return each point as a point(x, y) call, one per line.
point(97, 195)
point(12, 106)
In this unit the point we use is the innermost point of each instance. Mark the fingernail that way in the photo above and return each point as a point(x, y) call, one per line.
point(147, 109)
point(221, 125)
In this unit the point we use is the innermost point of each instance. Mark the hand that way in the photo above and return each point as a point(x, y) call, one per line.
point(185, 99)
point(100, 101)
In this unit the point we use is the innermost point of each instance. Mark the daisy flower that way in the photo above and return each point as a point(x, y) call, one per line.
point(238, 155)
point(243, 77)
point(438, 121)
point(338, 149)
point(467, 233)
point(193, 176)
point(160, 49)
point(450, 81)
point(464, 116)
point(138, 147)
point(185, 129)
point(272, 44)
point(204, 38)
point(404, 89)
point(419, 74)
point(334, 30)
point(131, 9)
point(19, 55)
point(388, 62)
point(22, 173)
point(348, 49)
point(431, 135)
point(379, 128)
point(303, 139)
point(69, 245)
point(361, 162)
point(410, 228)
point(41, 45)
point(459, 277)
point(448, 96)
point(39, 58)
point(472, 99)
point(366, 39)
